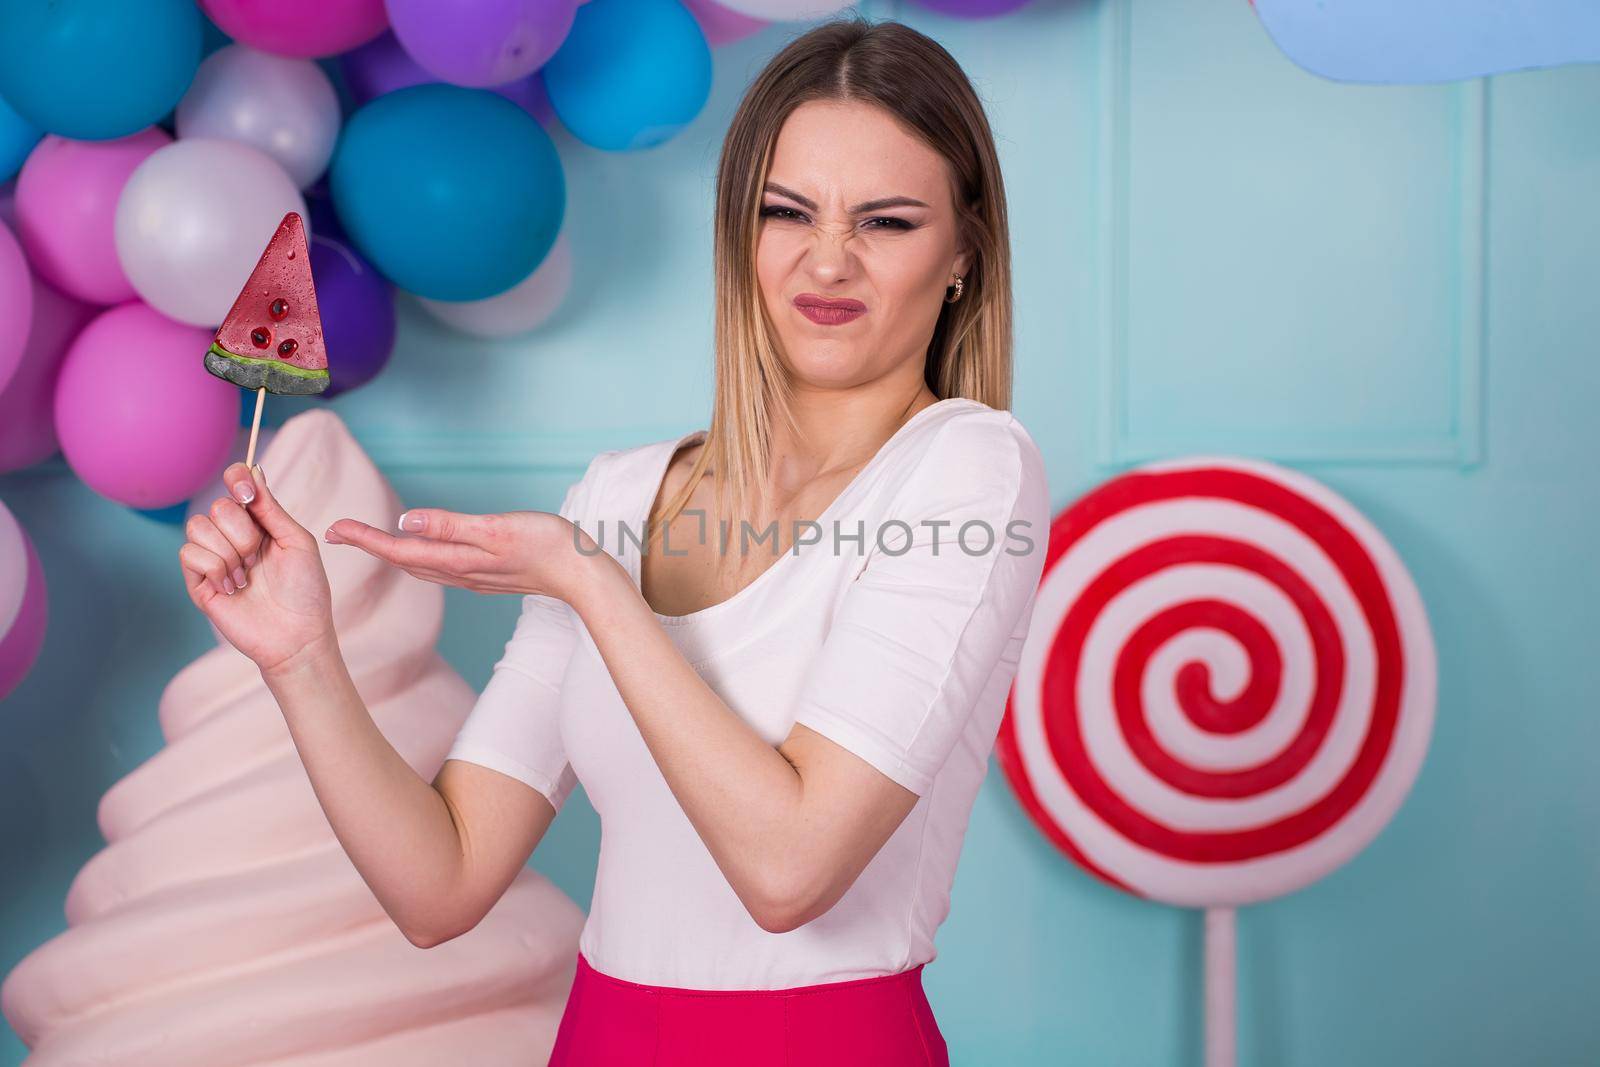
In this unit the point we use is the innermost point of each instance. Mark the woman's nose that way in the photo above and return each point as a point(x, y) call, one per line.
point(831, 248)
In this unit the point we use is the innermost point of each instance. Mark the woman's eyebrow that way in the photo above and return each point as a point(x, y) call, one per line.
point(869, 205)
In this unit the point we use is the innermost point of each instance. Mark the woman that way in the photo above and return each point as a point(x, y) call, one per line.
point(784, 748)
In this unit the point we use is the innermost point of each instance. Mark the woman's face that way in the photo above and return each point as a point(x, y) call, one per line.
point(855, 208)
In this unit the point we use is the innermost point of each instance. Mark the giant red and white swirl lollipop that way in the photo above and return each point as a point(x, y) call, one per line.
point(1228, 687)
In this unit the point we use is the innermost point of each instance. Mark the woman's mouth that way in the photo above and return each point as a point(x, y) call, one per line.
point(829, 312)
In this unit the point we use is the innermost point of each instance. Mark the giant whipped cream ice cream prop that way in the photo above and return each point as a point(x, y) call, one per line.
point(223, 923)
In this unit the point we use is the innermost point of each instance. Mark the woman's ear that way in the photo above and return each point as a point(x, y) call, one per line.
point(963, 261)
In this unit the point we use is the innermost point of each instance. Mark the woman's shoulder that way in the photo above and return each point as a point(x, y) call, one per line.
point(971, 426)
point(966, 447)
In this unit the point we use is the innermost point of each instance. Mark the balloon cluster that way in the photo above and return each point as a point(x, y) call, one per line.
point(155, 146)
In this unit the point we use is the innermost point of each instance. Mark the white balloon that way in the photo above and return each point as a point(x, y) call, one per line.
point(286, 107)
point(193, 220)
point(519, 309)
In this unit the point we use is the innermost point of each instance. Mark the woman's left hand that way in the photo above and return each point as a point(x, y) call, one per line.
point(511, 552)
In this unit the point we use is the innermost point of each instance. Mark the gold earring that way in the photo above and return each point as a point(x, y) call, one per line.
point(952, 299)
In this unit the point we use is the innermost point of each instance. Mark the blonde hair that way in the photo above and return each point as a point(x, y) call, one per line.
point(913, 78)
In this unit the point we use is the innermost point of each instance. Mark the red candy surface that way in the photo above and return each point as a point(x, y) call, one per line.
point(279, 291)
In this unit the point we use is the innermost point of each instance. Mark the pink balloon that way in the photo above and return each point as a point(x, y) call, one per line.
point(140, 418)
point(67, 209)
point(27, 405)
point(721, 25)
point(16, 304)
point(23, 602)
point(301, 28)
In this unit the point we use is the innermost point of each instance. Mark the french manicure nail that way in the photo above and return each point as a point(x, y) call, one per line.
point(409, 521)
point(244, 491)
point(227, 585)
point(238, 578)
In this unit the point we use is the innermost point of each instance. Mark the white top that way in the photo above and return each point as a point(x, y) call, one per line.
point(903, 655)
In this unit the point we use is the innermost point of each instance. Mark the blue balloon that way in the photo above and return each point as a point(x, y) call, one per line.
point(452, 193)
point(173, 514)
point(630, 74)
point(97, 69)
point(17, 138)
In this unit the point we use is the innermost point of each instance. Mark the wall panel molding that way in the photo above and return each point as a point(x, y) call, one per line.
point(475, 452)
point(1117, 443)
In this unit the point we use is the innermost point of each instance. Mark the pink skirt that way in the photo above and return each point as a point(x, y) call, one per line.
point(867, 1022)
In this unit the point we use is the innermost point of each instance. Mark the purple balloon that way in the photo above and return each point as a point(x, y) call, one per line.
point(973, 9)
point(381, 66)
point(27, 410)
point(357, 308)
point(484, 42)
point(22, 636)
point(324, 217)
point(529, 94)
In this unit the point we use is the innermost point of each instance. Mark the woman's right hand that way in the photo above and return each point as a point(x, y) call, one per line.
point(284, 606)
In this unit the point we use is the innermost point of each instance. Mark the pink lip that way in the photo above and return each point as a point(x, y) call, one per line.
point(827, 312)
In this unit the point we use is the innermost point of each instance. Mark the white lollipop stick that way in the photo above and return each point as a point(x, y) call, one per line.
point(255, 427)
point(1221, 983)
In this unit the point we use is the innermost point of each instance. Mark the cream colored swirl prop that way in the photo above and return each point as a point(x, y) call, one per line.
point(223, 922)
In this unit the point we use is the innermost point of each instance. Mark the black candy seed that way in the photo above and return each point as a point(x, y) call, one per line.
point(261, 337)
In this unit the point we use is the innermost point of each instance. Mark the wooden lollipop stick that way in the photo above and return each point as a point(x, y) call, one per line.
point(255, 426)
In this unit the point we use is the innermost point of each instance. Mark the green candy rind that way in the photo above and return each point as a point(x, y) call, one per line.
point(252, 373)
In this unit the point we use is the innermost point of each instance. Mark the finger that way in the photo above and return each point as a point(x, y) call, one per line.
point(203, 532)
point(447, 556)
point(242, 531)
point(277, 523)
point(439, 525)
point(202, 569)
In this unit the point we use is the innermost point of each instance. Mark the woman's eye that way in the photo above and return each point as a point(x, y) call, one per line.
point(789, 213)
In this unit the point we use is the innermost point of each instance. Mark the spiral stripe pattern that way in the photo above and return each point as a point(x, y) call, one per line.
point(1228, 687)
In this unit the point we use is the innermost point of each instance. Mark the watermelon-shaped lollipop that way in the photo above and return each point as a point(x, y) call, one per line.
point(272, 337)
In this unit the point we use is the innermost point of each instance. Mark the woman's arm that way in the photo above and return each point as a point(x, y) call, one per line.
point(437, 857)
point(916, 638)
point(791, 828)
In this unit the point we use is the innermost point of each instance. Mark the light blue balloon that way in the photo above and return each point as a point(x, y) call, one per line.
point(452, 193)
point(97, 69)
point(17, 138)
point(630, 74)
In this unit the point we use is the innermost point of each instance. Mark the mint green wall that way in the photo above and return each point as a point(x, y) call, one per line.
point(1391, 288)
